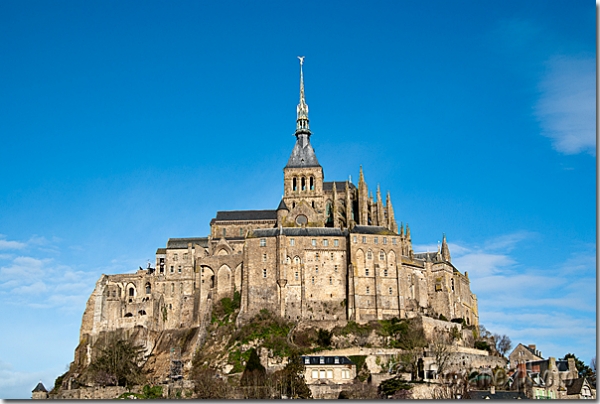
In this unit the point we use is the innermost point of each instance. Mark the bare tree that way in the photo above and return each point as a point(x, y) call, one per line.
point(503, 343)
point(455, 386)
point(440, 347)
point(412, 341)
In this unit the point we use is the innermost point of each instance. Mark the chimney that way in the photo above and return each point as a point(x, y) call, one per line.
point(531, 347)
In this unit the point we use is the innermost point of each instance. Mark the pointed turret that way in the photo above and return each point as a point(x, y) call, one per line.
point(380, 215)
point(334, 207)
point(445, 250)
point(363, 200)
point(348, 203)
point(391, 221)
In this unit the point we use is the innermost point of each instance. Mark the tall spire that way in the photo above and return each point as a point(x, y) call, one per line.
point(445, 249)
point(302, 109)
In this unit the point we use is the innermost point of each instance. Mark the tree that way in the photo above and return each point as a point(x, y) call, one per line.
point(582, 369)
point(118, 363)
point(441, 349)
point(207, 384)
point(503, 343)
point(395, 388)
point(254, 378)
point(412, 341)
point(290, 380)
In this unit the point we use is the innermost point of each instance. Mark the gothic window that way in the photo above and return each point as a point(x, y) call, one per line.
point(263, 242)
point(292, 242)
point(264, 273)
point(375, 240)
point(288, 260)
point(369, 255)
point(293, 205)
point(336, 242)
point(303, 182)
point(294, 184)
point(381, 256)
point(296, 275)
point(131, 291)
point(366, 271)
point(312, 184)
point(148, 288)
point(296, 260)
point(385, 240)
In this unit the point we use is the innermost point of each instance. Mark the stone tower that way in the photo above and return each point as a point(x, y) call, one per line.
point(303, 175)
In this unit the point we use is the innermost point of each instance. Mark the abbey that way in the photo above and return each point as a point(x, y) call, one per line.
point(330, 251)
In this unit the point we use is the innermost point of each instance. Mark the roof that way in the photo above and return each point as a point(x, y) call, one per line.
point(373, 230)
point(574, 385)
point(39, 387)
point(498, 395)
point(303, 154)
point(327, 360)
point(183, 242)
point(299, 232)
point(161, 250)
point(340, 186)
point(282, 205)
point(233, 215)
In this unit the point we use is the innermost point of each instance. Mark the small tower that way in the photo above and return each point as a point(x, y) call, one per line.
point(380, 215)
point(391, 221)
point(445, 250)
point(40, 392)
point(363, 200)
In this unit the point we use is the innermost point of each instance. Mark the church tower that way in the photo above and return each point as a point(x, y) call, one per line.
point(303, 175)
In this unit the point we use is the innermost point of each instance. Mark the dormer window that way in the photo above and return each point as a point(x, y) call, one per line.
point(321, 360)
point(307, 361)
point(336, 360)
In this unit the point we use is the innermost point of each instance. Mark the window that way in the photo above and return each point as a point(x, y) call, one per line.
point(313, 280)
point(331, 255)
point(131, 291)
point(322, 373)
point(369, 255)
point(264, 257)
point(315, 373)
point(294, 184)
point(452, 284)
point(179, 269)
point(354, 239)
point(336, 360)
point(364, 240)
point(394, 241)
point(385, 240)
point(385, 272)
point(263, 242)
point(303, 182)
point(172, 288)
point(330, 280)
point(292, 242)
point(241, 232)
point(224, 233)
point(336, 243)
point(366, 271)
point(368, 290)
point(172, 269)
point(185, 256)
point(375, 240)
point(175, 257)
point(296, 275)
point(381, 256)
point(317, 256)
point(335, 268)
point(317, 269)
point(288, 260)
point(391, 291)
point(345, 374)
point(313, 242)
point(329, 374)
point(321, 361)
point(306, 361)
point(264, 273)
point(296, 260)
point(326, 242)
point(312, 184)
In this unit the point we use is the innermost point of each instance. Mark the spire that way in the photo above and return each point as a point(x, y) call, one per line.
point(302, 109)
point(334, 207)
point(445, 250)
point(363, 200)
point(380, 215)
point(390, 214)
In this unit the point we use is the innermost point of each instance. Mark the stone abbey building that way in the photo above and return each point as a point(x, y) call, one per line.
point(328, 252)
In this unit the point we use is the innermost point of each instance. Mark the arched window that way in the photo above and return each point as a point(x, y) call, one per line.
point(294, 184)
point(131, 292)
point(303, 184)
point(381, 256)
point(369, 255)
point(296, 260)
point(128, 315)
point(148, 288)
point(312, 184)
point(142, 312)
point(452, 284)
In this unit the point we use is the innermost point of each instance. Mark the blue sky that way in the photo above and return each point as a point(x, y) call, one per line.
point(125, 123)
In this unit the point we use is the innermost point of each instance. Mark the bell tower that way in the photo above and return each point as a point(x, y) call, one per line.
point(303, 175)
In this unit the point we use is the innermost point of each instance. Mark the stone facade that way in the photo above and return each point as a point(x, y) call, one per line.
point(329, 252)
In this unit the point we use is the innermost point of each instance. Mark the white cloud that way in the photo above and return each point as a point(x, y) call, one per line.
point(11, 245)
point(566, 109)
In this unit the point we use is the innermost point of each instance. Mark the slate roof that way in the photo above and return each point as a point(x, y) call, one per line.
point(574, 385)
point(373, 230)
point(183, 242)
point(39, 387)
point(329, 360)
point(303, 154)
point(232, 215)
point(282, 205)
point(299, 232)
point(340, 186)
point(161, 250)
point(498, 395)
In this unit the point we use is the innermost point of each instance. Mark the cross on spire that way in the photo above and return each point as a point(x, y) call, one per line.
point(302, 109)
